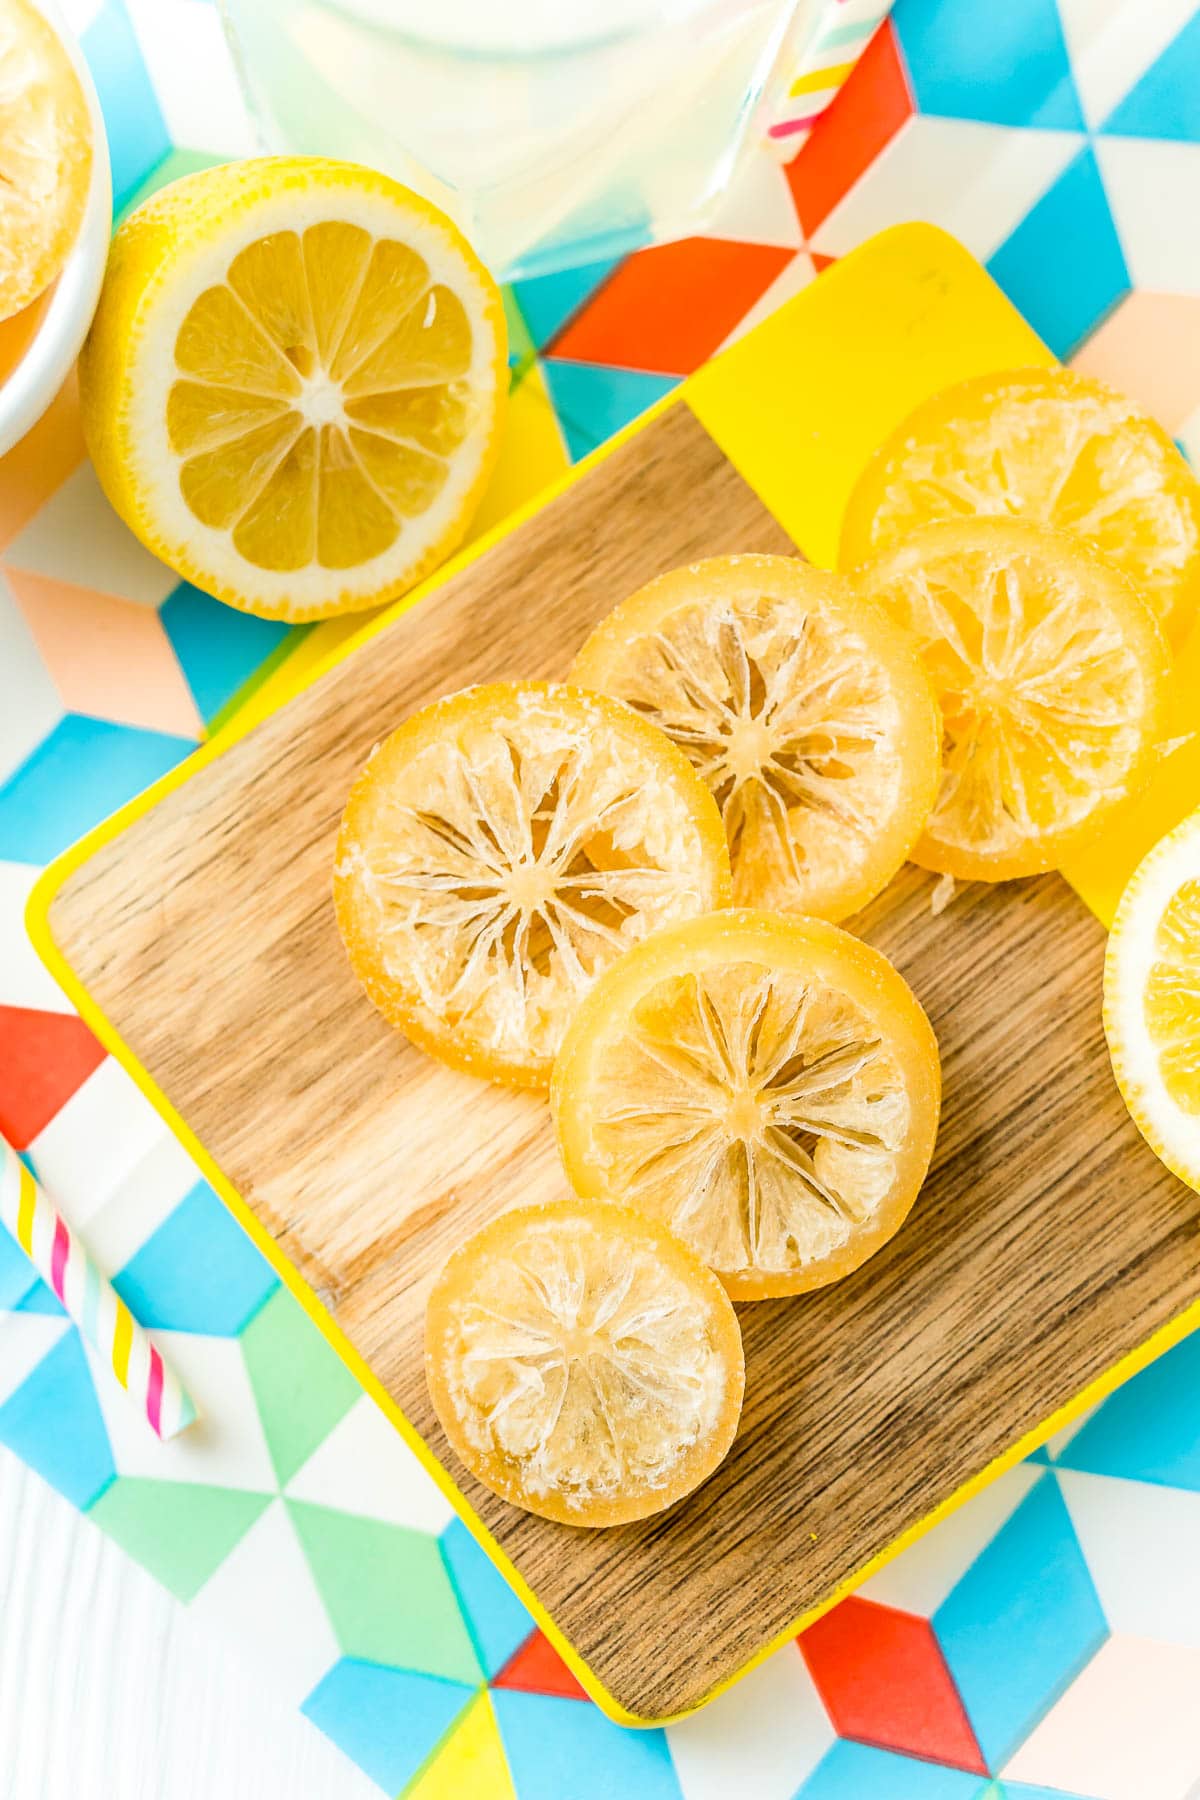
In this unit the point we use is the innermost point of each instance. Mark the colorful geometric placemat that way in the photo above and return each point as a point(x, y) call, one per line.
point(1045, 1640)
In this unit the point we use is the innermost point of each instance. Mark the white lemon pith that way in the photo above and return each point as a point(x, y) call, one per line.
point(1152, 999)
point(292, 387)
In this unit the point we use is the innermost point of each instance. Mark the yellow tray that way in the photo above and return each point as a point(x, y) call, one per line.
point(193, 930)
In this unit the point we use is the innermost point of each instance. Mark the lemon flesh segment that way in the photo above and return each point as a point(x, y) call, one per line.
point(45, 155)
point(583, 1365)
point(500, 850)
point(766, 1088)
point(802, 708)
point(1152, 998)
point(292, 388)
point(1052, 447)
point(1172, 1003)
point(1051, 675)
point(309, 425)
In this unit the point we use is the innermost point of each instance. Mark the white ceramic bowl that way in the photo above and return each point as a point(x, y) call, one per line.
point(47, 361)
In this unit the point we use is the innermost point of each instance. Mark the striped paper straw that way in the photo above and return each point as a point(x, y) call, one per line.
point(60, 1258)
point(843, 31)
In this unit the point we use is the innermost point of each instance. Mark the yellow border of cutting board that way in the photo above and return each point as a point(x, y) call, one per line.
point(752, 401)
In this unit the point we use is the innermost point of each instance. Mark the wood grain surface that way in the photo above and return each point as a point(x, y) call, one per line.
point(1047, 1242)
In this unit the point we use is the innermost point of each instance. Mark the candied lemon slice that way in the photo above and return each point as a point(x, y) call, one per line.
point(291, 389)
point(1152, 999)
point(45, 155)
point(583, 1364)
point(1051, 674)
point(806, 711)
point(767, 1087)
point(1054, 448)
point(500, 850)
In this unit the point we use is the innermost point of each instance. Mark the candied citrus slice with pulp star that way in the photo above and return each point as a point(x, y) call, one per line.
point(805, 709)
point(765, 1086)
point(1052, 447)
point(1051, 674)
point(291, 389)
point(1152, 999)
point(501, 849)
point(45, 155)
point(583, 1363)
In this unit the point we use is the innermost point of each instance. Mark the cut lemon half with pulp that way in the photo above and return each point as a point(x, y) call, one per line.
point(583, 1364)
point(804, 708)
point(1152, 999)
point(500, 850)
point(1051, 674)
point(1054, 448)
point(291, 389)
point(45, 154)
point(767, 1087)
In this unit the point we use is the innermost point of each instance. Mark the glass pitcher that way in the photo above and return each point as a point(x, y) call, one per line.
point(554, 131)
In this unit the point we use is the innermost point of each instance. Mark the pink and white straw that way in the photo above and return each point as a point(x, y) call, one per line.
point(60, 1258)
point(820, 68)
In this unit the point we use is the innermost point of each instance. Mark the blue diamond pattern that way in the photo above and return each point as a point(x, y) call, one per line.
point(388, 1721)
point(1021, 1623)
point(17, 1274)
point(547, 301)
point(84, 770)
point(1149, 1430)
point(859, 1772)
point(558, 1747)
point(197, 1272)
point(1063, 265)
point(137, 132)
point(40, 1299)
point(593, 401)
point(219, 648)
point(1165, 103)
point(496, 1619)
point(53, 1423)
point(1004, 62)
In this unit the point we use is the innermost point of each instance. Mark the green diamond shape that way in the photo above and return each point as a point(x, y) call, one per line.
point(522, 350)
point(301, 1385)
point(386, 1591)
point(179, 1530)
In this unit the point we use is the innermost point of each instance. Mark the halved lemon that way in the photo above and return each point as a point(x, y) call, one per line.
point(807, 712)
point(45, 155)
point(292, 387)
point(500, 850)
point(767, 1087)
point(1051, 674)
point(1054, 448)
point(1152, 999)
point(583, 1364)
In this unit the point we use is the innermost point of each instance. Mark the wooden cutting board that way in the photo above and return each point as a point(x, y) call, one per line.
point(1048, 1243)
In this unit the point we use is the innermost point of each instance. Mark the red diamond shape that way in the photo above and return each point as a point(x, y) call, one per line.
point(884, 1681)
point(44, 1057)
point(537, 1668)
point(667, 309)
point(866, 115)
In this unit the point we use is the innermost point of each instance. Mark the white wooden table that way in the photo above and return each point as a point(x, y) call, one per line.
point(108, 1691)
